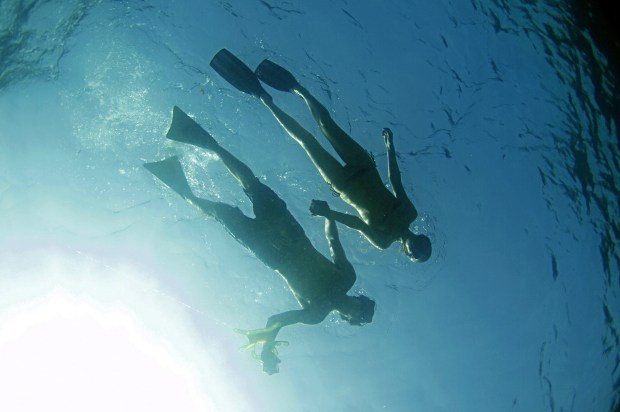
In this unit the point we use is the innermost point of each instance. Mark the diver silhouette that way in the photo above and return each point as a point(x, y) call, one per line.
point(384, 216)
point(277, 239)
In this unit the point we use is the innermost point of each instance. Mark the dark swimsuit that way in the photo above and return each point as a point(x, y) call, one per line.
point(353, 172)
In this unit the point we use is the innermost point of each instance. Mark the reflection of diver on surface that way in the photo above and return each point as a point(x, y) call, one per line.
point(384, 216)
point(277, 239)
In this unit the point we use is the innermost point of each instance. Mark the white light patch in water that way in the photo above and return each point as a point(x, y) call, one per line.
point(92, 351)
point(71, 355)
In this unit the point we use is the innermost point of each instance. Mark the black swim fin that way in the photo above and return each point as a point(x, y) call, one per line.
point(237, 73)
point(185, 130)
point(170, 172)
point(276, 76)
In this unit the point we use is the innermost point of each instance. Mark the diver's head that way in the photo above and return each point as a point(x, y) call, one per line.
point(357, 310)
point(417, 247)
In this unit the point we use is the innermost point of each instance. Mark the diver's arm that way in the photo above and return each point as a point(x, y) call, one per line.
point(321, 208)
point(309, 315)
point(393, 170)
point(348, 220)
point(335, 246)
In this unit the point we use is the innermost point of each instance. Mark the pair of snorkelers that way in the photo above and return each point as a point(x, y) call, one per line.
point(384, 216)
point(274, 235)
point(276, 238)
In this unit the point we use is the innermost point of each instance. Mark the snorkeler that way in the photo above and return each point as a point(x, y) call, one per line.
point(384, 216)
point(277, 239)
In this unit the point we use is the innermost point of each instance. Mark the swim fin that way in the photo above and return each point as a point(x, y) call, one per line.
point(276, 76)
point(185, 130)
point(170, 172)
point(237, 73)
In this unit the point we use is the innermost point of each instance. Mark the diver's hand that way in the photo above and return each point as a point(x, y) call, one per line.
point(388, 137)
point(319, 208)
point(269, 357)
point(269, 353)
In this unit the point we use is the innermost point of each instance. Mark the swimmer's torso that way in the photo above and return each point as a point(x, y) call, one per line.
point(281, 244)
point(377, 206)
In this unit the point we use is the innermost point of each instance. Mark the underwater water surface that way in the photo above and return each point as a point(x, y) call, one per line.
point(115, 294)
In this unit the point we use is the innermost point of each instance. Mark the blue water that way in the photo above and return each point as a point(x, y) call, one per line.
point(505, 121)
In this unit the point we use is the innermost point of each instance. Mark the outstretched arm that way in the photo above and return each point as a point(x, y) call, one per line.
point(393, 170)
point(335, 246)
point(267, 335)
point(321, 208)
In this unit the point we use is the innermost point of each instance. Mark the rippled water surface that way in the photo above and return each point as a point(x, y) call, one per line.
point(116, 294)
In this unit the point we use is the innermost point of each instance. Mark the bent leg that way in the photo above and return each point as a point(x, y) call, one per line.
point(265, 201)
point(331, 170)
point(236, 167)
point(266, 204)
point(348, 149)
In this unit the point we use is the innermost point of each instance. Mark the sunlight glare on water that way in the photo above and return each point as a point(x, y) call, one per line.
point(93, 348)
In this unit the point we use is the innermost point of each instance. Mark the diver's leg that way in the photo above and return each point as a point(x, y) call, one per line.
point(184, 129)
point(348, 149)
point(265, 202)
point(238, 224)
point(170, 172)
point(331, 170)
point(237, 168)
